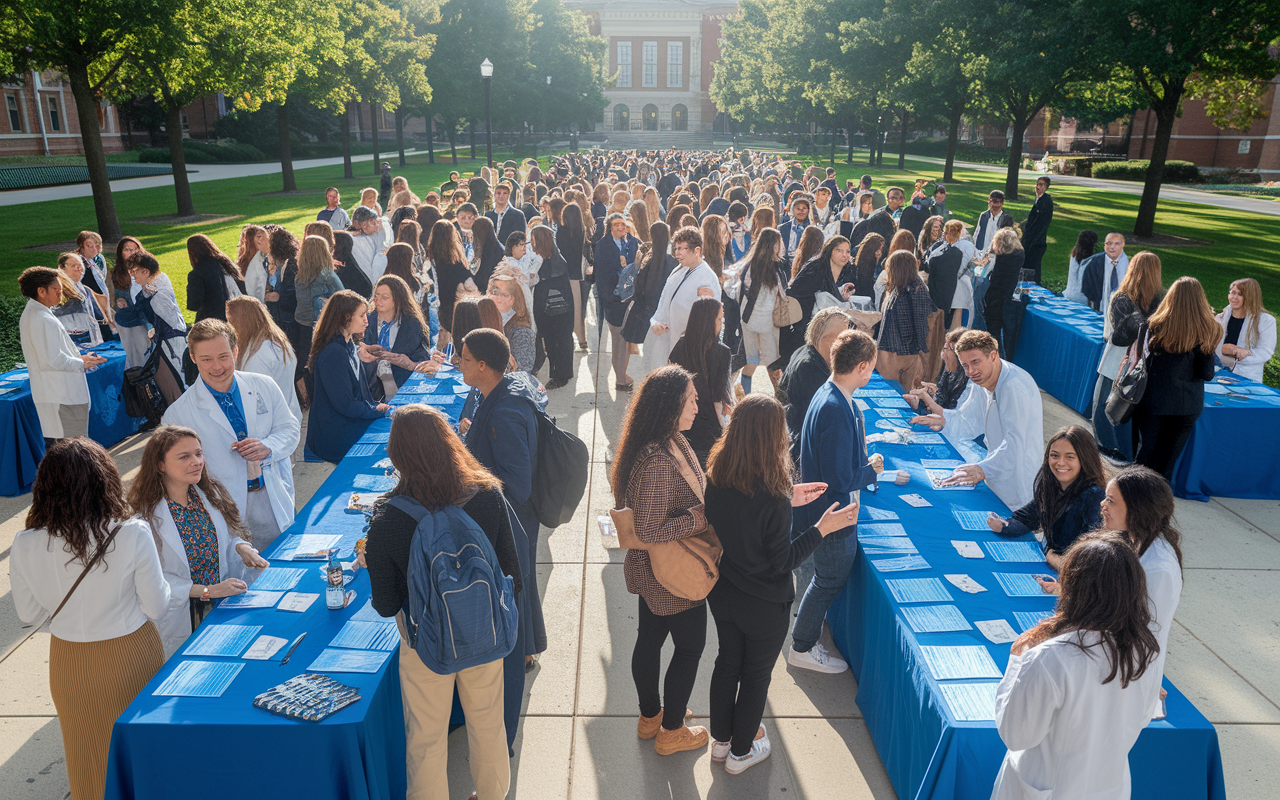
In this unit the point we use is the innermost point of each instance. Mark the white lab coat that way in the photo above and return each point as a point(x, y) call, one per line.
point(280, 367)
point(674, 306)
point(175, 625)
point(1262, 350)
point(1012, 420)
point(1068, 733)
point(1164, 589)
point(1074, 277)
point(369, 255)
point(53, 364)
point(165, 305)
point(268, 419)
point(255, 277)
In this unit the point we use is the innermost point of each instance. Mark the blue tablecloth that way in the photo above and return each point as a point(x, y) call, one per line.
point(23, 442)
point(1232, 450)
point(166, 747)
point(926, 751)
point(1060, 346)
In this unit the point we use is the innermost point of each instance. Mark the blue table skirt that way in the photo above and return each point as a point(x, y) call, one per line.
point(928, 754)
point(166, 747)
point(1232, 450)
point(1061, 351)
point(23, 444)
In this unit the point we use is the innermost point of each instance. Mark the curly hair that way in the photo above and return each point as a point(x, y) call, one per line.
point(77, 496)
point(652, 418)
point(147, 489)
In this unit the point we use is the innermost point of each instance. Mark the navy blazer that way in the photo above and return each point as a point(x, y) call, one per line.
point(512, 221)
point(607, 269)
point(504, 438)
point(833, 450)
point(342, 405)
point(1035, 231)
point(785, 230)
point(410, 340)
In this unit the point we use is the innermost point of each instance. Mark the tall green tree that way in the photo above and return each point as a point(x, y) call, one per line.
point(941, 68)
point(81, 39)
point(563, 49)
point(320, 76)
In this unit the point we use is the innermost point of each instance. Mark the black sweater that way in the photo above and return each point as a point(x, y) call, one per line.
point(391, 534)
point(1082, 514)
point(760, 546)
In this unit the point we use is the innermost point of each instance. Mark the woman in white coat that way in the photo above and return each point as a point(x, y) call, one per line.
point(159, 306)
point(1248, 331)
point(1079, 686)
point(55, 365)
point(197, 530)
point(264, 348)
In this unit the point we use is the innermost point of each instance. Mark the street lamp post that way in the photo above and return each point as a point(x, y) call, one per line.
point(486, 74)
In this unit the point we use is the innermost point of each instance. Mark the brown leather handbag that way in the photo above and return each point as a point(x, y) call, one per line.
point(689, 567)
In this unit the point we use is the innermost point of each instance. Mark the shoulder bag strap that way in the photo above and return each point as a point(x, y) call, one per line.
point(102, 550)
point(686, 469)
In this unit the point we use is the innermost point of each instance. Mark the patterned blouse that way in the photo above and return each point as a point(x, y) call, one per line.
point(665, 509)
point(199, 538)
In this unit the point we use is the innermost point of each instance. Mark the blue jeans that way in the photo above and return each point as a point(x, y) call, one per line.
point(978, 321)
point(832, 562)
point(1110, 438)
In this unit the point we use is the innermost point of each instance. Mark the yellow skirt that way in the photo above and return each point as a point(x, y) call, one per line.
point(92, 683)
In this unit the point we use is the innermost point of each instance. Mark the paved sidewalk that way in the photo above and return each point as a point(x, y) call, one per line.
point(577, 738)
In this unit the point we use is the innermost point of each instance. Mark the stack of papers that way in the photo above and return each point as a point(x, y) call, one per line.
point(971, 702)
point(935, 619)
point(278, 579)
point(307, 547)
point(251, 599)
point(882, 528)
point(1029, 619)
point(960, 662)
point(876, 515)
point(228, 641)
point(363, 450)
point(971, 520)
point(374, 483)
point(331, 660)
point(886, 545)
point(199, 679)
point(1019, 584)
point(367, 613)
point(919, 590)
point(375, 437)
point(1022, 552)
point(900, 564)
point(357, 635)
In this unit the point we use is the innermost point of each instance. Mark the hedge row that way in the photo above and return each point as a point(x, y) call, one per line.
point(1136, 170)
point(198, 152)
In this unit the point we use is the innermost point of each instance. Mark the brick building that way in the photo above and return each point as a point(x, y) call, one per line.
point(41, 119)
point(662, 52)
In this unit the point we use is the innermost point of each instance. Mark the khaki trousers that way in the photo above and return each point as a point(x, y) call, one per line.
point(932, 360)
point(903, 369)
point(428, 702)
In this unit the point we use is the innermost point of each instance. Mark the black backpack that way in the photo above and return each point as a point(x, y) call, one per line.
point(149, 390)
point(559, 474)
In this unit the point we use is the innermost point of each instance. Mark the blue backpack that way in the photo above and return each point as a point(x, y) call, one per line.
point(627, 282)
point(461, 611)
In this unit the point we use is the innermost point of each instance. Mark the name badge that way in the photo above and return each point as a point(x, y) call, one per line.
point(262, 405)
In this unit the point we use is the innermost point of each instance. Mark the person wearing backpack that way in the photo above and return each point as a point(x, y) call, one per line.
point(503, 436)
point(438, 476)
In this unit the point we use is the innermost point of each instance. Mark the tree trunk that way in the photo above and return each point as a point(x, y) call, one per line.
point(400, 133)
point(128, 126)
point(104, 205)
point(871, 142)
point(286, 149)
point(833, 144)
point(347, 172)
point(431, 137)
point(1128, 133)
point(373, 126)
point(181, 185)
point(453, 142)
point(902, 140)
point(1166, 113)
point(848, 139)
point(953, 140)
point(1015, 157)
point(881, 137)
point(473, 140)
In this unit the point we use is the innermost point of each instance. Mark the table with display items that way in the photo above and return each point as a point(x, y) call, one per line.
point(931, 748)
point(22, 443)
point(1232, 449)
point(1060, 345)
point(195, 747)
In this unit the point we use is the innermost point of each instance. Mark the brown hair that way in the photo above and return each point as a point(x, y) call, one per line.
point(715, 238)
point(338, 311)
point(313, 259)
point(77, 495)
point(851, 349)
point(1184, 321)
point(543, 241)
point(689, 236)
point(435, 467)
point(653, 417)
point(977, 340)
point(1051, 499)
point(675, 213)
point(147, 489)
point(406, 306)
point(902, 270)
point(809, 247)
point(428, 215)
point(248, 316)
point(1251, 292)
point(444, 246)
point(210, 328)
point(1142, 282)
point(638, 216)
point(1149, 508)
point(85, 236)
point(201, 248)
point(34, 278)
point(245, 248)
point(400, 263)
point(513, 287)
point(869, 251)
point(322, 229)
point(120, 270)
point(755, 451)
point(903, 240)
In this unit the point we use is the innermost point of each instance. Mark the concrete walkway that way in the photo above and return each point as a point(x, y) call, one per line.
point(577, 738)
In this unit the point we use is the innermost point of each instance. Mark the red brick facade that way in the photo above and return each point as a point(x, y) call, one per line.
point(40, 118)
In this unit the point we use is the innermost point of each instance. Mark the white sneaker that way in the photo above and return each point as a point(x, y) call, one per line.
point(719, 751)
point(817, 659)
point(760, 750)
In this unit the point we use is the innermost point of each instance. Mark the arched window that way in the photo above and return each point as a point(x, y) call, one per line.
point(621, 118)
point(651, 117)
point(679, 117)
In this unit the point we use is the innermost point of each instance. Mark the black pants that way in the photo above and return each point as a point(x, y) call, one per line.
point(688, 632)
point(302, 349)
point(1035, 255)
point(752, 632)
point(1158, 439)
point(555, 334)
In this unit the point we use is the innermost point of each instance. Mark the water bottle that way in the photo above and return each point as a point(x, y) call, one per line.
point(334, 597)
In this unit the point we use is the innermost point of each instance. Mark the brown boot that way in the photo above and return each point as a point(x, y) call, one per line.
point(682, 738)
point(647, 727)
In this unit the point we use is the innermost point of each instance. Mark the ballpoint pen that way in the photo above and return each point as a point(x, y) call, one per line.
point(293, 647)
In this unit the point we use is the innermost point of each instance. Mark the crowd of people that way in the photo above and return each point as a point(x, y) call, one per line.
point(705, 267)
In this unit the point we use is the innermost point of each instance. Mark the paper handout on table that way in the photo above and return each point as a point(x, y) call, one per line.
point(968, 549)
point(916, 501)
point(334, 660)
point(199, 679)
point(297, 601)
point(876, 393)
point(875, 515)
point(278, 579)
point(928, 438)
point(971, 702)
point(222, 640)
point(375, 437)
point(965, 584)
point(935, 619)
point(264, 648)
point(919, 590)
point(900, 564)
point(997, 631)
point(1029, 619)
point(889, 402)
point(886, 545)
point(972, 520)
point(251, 599)
point(891, 413)
point(1019, 584)
point(307, 547)
point(937, 476)
point(940, 463)
point(420, 388)
point(367, 636)
point(368, 613)
point(362, 450)
point(882, 529)
point(374, 483)
point(1020, 552)
point(958, 662)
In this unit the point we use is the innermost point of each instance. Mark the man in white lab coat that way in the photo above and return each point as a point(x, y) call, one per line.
point(1006, 409)
point(247, 430)
point(54, 363)
point(694, 278)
